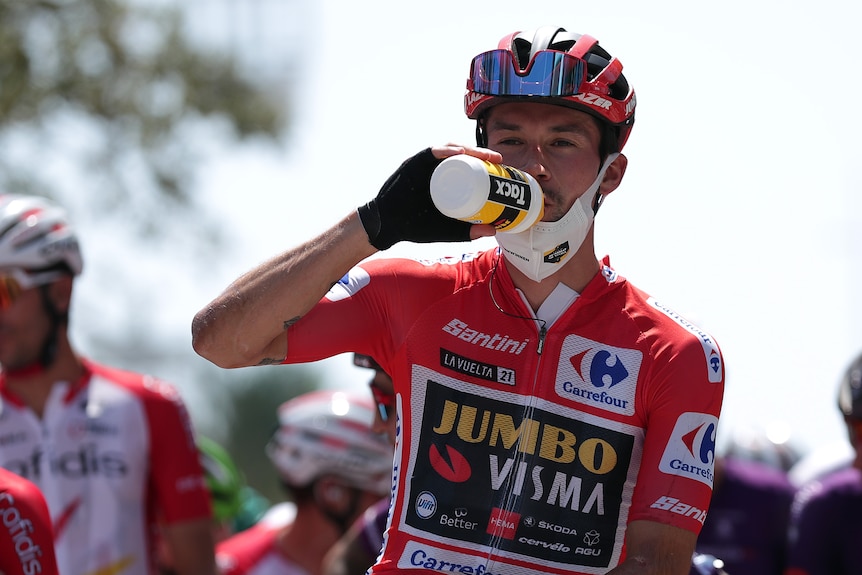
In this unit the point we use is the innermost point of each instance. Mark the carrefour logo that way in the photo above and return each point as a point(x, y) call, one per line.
point(599, 375)
point(691, 449)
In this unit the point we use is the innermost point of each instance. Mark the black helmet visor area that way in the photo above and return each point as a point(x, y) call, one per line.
point(850, 390)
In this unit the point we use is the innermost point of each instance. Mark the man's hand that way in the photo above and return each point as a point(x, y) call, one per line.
point(403, 209)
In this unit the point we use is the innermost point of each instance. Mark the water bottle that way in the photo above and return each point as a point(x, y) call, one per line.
point(473, 190)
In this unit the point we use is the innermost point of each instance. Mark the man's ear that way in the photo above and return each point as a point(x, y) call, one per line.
point(614, 175)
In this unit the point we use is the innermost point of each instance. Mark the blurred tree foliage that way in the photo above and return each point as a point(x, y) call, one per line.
point(243, 416)
point(119, 84)
point(106, 106)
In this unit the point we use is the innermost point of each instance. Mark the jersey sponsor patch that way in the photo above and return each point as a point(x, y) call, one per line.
point(493, 461)
point(690, 452)
point(598, 375)
point(353, 281)
point(714, 367)
point(467, 366)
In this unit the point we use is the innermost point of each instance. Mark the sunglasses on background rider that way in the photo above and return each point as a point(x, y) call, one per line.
point(13, 281)
point(385, 401)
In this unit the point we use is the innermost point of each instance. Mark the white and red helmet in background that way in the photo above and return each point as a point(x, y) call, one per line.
point(37, 244)
point(552, 65)
point(330, 433)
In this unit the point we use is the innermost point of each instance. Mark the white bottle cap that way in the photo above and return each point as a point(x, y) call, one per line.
point(459, 186)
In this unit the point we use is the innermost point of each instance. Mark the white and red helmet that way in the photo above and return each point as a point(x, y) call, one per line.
point(551, 65)
point(330, 433)
point(37, 244)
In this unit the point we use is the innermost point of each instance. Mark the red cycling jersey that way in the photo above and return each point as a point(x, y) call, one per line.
point(255, 551)
point(112, 453)
point(529, 444)
point(26, 539)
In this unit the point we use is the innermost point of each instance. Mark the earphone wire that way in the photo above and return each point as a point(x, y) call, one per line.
point(543, 323)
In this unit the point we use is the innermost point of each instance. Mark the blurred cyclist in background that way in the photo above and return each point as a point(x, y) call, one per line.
point(235, 504)
point(746, 526)
point(357, 549)
point(112, 451)
point(826, 525)
point(334, 464)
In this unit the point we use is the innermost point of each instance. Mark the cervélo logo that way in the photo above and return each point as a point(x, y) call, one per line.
point(691, 450)
point(599, 375)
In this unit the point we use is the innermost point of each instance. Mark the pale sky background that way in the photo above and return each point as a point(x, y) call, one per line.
point(740, 209)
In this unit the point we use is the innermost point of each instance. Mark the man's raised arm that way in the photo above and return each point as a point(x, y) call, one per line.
point(245, 324)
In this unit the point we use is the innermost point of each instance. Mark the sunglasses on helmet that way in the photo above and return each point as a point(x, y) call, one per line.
point(549, 73)
point(13, 281)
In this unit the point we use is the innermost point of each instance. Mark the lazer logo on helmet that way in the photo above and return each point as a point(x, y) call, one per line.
point(690, 452)
point(84, 462)
point(631, 105)
point(594, 100)
point(474, 97)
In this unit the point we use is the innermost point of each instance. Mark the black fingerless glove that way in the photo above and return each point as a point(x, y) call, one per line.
point(403, 210)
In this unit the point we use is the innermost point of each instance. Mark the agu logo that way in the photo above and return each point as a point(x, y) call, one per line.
point(596, 374)
point(691, 449)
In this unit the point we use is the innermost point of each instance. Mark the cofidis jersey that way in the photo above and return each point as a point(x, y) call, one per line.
point(110, 452)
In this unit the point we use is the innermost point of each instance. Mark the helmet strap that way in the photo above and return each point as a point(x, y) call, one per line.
point(57, 319)
point(481, 136)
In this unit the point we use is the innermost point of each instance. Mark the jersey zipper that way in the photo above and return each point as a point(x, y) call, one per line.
point(543, 331)
point(508, 502)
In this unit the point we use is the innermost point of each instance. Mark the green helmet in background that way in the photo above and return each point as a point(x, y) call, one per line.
point(223, 478)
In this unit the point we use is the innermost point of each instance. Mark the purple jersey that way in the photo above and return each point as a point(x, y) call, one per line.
point(826, 529)
point(746, 526)
point(373, 525)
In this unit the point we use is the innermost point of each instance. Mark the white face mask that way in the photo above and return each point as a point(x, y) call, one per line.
point(547, 246)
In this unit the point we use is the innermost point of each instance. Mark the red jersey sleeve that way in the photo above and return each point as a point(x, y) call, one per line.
point(682, 402)
point(176, 477)
point(26, 537)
